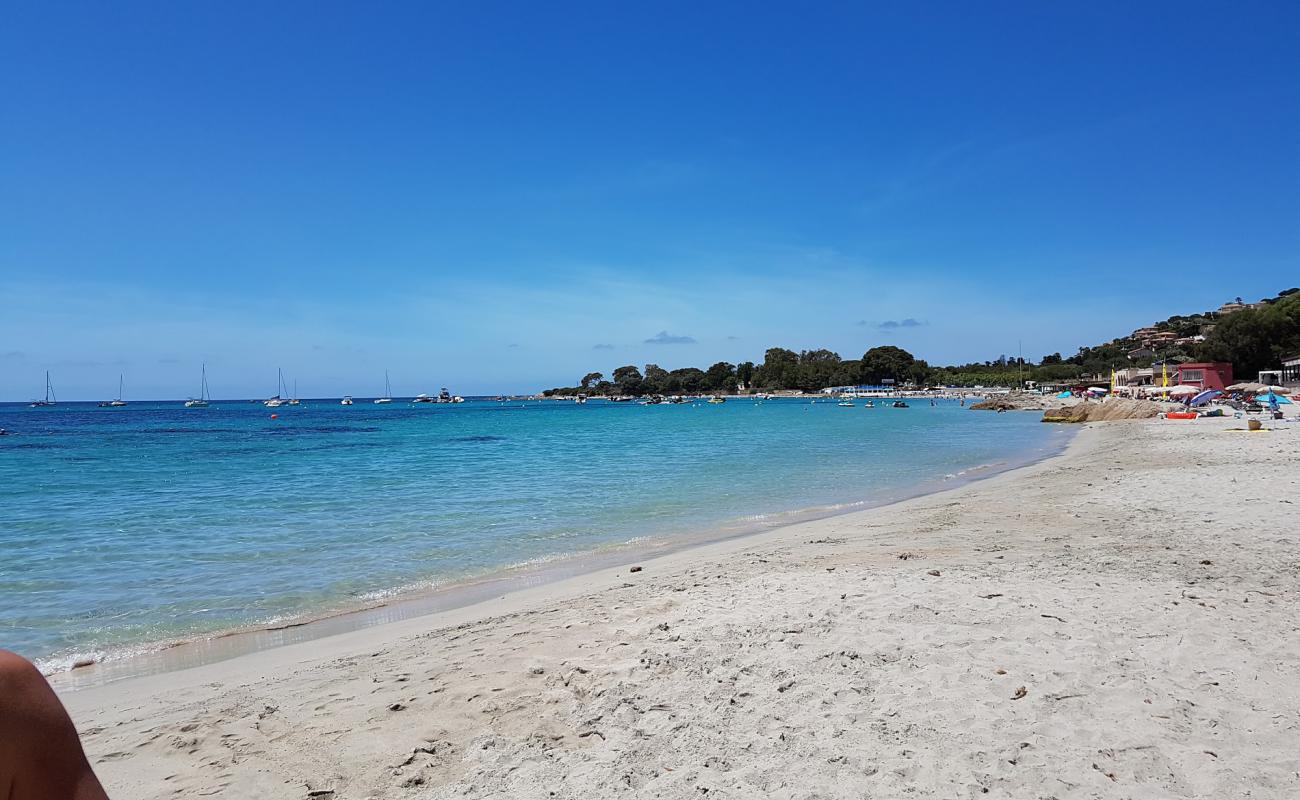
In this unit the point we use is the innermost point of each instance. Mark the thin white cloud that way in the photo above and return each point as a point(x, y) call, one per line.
point(664, 337)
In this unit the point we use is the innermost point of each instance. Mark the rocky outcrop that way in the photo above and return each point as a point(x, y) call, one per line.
point(1109, 410)
point(1017, 401)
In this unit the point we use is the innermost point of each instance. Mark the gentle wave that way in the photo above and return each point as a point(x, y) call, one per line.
point(135, 530)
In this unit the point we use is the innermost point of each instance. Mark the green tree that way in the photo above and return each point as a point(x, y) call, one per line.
point(745, 373)
point(1255, 339)
point(815, 369)
point(721, 377)
point(919, 372)
point(689, 380)
point(591, 379)
point(656, 379)
point(778, 370)
point(628, 380)
point(887, 361)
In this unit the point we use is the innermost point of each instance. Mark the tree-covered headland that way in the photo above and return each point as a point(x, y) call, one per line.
point(1252, 339)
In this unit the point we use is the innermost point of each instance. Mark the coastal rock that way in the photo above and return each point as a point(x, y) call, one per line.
point(1018, 401)
point(1106, 411)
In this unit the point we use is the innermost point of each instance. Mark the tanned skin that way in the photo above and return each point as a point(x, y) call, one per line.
point(40, 753)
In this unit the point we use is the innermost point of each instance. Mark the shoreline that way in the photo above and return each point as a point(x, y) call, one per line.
point(154, 658)
point(1115, 621)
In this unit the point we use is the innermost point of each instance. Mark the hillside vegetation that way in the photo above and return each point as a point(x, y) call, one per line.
point(1252, 340)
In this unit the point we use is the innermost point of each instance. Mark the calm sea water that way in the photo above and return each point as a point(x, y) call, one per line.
point(125, 527)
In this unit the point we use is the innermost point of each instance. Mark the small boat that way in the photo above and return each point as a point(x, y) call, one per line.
point(202, 400)
point(388, 392)
point(420, 398)
point(445, 396)
point(117, 403)
point(580, 399)
point(280, 391)
point(293, 401)
point(869, 404)
point(846, 401)
point(50, 399)
point(717, 398)
point(346, 401)
point(899, 404)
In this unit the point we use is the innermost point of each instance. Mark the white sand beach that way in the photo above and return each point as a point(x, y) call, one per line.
point(1120, 621)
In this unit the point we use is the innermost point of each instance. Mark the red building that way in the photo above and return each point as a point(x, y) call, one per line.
point(1206, 375)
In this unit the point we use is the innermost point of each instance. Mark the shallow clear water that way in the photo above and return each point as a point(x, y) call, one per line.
point(123, 527)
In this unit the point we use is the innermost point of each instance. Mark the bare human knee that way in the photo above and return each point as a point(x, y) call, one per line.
point(40, 753)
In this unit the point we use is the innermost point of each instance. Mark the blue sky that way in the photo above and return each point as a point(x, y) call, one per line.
point(503, 196)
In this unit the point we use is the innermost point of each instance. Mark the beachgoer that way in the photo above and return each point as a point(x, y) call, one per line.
point(40, 754)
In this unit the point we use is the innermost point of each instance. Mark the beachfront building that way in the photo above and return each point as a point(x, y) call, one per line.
point(1205, 374)
point(1134, 376)
point(1291, 370)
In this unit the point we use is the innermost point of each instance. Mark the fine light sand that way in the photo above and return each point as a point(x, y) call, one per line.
point(1117, 622)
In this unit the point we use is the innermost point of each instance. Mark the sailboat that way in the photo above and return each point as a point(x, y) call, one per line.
point(388, 392)
point(50, 399)
point(294, 400)
point(277, 401)
point(202, 400)
point(119, 402)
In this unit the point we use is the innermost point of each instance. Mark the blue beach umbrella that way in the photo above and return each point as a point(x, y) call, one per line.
point(1064, 395)
point(1205, 397)
point(1270, 398)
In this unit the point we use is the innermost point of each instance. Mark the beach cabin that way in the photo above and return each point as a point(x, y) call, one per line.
point(1205, 374)
point(1291, 370)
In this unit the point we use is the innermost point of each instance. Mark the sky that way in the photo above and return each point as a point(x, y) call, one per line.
point(502, 197)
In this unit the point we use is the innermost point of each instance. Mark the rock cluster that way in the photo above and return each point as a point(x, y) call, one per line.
point(1113, 409)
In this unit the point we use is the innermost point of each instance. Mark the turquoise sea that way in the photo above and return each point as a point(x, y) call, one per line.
point(121, 529)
